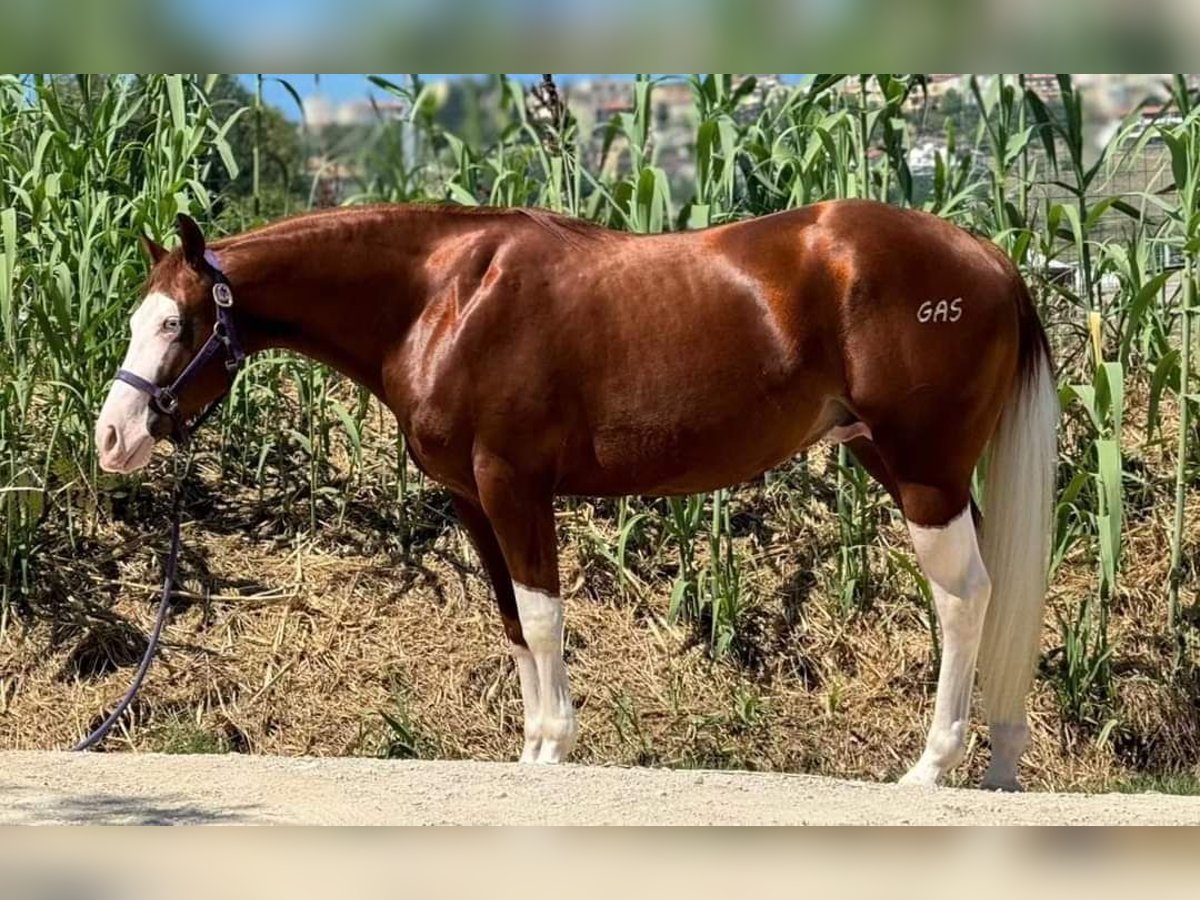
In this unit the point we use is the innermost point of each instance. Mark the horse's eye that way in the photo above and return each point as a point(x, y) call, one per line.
point(171, 324)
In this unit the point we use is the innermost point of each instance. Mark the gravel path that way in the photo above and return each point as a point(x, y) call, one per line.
point(149, 788)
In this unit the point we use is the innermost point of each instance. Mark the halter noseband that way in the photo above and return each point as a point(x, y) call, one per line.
point(224, 337)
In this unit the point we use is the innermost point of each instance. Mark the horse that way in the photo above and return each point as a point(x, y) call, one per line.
point(528, 355)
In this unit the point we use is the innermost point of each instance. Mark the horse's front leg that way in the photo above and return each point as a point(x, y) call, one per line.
point(483, 537)
point(522, 516)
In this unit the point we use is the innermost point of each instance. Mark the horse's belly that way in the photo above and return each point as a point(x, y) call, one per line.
point(687, 457)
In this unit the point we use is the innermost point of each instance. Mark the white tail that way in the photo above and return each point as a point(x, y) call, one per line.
point(1015, 543)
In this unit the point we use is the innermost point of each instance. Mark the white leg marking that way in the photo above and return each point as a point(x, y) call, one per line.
point(542, 623)
point(123, 439)
point(950, 558)
point(527, 675)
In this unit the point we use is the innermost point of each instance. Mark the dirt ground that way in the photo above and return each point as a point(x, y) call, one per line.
point(124, 788)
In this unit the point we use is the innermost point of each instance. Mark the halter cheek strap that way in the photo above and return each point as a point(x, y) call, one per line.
point(224, 339)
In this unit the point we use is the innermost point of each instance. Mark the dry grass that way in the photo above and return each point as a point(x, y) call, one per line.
point(291, 642)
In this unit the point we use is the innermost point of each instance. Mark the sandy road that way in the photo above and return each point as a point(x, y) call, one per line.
point(147, 788)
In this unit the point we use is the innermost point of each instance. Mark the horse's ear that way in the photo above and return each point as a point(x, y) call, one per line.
point(193, 240)
point(154, 252)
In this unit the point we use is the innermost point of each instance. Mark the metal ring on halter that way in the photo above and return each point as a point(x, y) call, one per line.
point(222, 295)
point(166, 401)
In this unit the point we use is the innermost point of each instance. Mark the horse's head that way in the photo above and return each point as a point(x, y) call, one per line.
point(169, 328)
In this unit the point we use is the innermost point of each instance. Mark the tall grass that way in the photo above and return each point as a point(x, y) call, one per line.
point(87, 163)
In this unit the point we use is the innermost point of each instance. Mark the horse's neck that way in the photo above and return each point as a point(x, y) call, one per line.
point(342, 296)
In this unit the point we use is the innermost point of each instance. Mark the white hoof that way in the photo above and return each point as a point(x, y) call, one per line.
point(558, 739)
point(924, 774)
point(529, 754)
point(943, 751)
point(551, 754)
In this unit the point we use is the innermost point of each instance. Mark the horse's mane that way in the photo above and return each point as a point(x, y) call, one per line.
point(568, 229)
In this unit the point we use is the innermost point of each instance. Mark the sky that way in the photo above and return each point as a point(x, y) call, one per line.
point(338, 88)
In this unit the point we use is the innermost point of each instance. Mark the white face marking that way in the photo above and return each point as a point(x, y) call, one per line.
point(542, 624)
point(123, 438)
point(950, 558)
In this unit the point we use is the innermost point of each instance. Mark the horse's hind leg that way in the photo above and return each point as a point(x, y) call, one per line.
point(523, 518)
point(948, 552)
point(484, 539)
point(949, 556)
point(869, 458)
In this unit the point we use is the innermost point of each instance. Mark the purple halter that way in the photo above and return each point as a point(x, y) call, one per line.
point(224, 337)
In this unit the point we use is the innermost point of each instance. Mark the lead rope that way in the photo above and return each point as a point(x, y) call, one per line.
point(182, 461)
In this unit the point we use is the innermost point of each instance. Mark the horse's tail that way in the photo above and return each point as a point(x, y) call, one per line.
point(1015, 535)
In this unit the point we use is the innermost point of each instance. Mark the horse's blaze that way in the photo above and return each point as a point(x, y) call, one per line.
point(123, 439)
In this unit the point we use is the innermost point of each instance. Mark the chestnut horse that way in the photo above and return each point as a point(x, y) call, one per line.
point(528, 355)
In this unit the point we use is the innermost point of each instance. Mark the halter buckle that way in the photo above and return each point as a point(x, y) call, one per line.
point(168, 403)
point(222, 295)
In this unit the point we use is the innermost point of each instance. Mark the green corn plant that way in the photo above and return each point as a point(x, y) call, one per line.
point(1084, 684)
point(556, 138)
point(86, 163)
point(1006, 139)
point(955, 186)
point(857, 515)
point(1077, 218)
point(711, 592)
point(896, 182)
point(641, 199)
point(407, 159)
point(718, 142)
point(721, 584)
point(682, 526)
point(630, 530)
point(1086, 639)
point(618, 555)
point(798, 147)
point(353, 421)
point(1183, 231)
